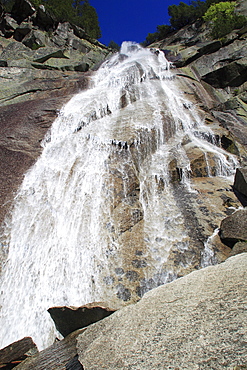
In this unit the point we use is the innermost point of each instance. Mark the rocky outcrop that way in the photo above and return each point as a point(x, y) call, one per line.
point(220, 66)
point(198, 321)
point(17, 352)
point(61, 355)
point(68, 319)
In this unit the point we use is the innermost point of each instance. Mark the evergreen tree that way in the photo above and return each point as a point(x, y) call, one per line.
point(181, 14)
point(161, 32)
point(113, 45)
point(63, 10)
point(87, 18)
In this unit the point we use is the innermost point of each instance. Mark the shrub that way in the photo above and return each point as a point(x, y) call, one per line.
point(223, 18)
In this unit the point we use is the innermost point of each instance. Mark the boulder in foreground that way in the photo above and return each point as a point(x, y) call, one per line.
point(196, 322)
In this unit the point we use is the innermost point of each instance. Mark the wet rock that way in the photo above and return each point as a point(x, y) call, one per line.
point(16, 352)
point(108, 280)
point(139, 263)
point(28, 95)
point(123, 293)
point(229, 145)
point(119, 271)
point(68, 319)
point(132, 275)
point(234, 228)
point(202, 163)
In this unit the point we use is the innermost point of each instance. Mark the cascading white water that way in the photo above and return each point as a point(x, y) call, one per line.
point(59, 233)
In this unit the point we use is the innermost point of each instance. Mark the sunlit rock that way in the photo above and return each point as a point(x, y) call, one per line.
point(234, 228)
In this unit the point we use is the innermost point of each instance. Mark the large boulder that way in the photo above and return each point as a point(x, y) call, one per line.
point(234, 228)
point(22, 9)
point(196, 322)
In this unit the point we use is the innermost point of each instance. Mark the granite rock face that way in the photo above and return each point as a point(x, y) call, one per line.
point(196, 322)
point(38, 106)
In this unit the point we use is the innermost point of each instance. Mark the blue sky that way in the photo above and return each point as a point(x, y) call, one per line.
point(131, 20)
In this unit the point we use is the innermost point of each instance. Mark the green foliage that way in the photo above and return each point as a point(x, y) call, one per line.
point(113, 45)
point(181, 14)
point(161, 32)
point(62, 10)
point(223, 18)
point(36, 3)
point(87, 18)
point(184, 14)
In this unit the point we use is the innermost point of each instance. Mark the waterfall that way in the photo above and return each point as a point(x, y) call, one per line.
point(96, 217)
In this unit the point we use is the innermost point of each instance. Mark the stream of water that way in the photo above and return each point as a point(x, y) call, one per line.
point(57, 236)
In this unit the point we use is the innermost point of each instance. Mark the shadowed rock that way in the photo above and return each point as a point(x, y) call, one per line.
point(16, 352)
point(68, 319)
point(240, 181)
point(59, 356)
